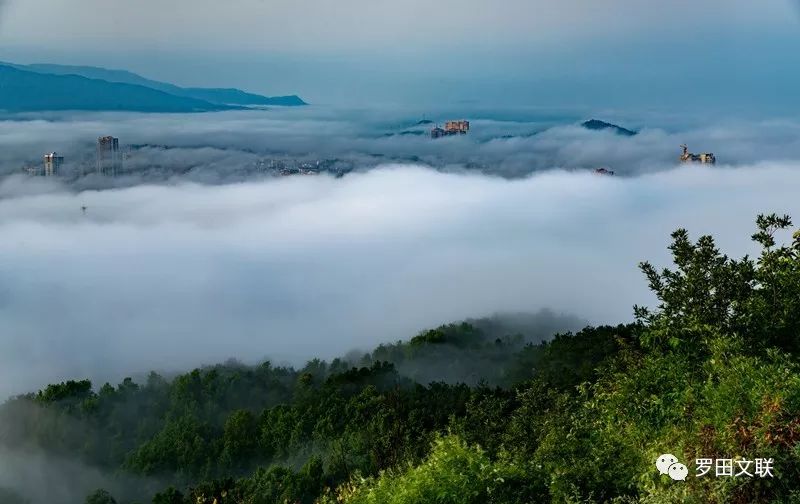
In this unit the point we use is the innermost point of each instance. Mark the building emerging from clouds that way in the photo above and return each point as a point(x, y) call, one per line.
point(689, 157)
point(451, 128)
point(109, 157)
point(52, 164)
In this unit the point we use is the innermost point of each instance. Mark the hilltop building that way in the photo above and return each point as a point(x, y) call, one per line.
point(52, 164)
point(109, 157)
point(450, 128)
point(705, 158)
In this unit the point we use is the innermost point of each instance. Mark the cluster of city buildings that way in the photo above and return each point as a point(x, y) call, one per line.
point(689, 157)
point(287, 167)
point(108, 160)
point(451, 128)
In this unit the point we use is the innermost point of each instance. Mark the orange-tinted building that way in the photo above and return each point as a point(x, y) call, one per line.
point(456, 127)
point(450, 128)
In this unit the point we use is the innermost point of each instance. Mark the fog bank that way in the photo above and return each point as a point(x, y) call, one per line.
point(168, 277)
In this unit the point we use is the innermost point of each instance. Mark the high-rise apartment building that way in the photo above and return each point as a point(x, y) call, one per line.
point(109, 157)
point(52, 164)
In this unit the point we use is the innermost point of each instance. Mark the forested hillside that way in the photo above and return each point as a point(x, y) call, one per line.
point(711, 372)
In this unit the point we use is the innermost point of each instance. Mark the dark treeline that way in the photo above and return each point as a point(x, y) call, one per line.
point(469, 412)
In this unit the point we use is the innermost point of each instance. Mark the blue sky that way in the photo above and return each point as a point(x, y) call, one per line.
point(735, 55)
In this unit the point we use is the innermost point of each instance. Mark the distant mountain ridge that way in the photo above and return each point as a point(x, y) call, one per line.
point(597, 125)
point(59, 87)
point(22, 91)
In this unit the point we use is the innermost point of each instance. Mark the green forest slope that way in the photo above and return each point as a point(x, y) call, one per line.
point(711, 372)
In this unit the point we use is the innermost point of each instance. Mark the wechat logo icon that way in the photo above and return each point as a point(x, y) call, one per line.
point(668, 464)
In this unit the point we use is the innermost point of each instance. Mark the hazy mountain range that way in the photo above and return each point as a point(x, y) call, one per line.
point(25, 88)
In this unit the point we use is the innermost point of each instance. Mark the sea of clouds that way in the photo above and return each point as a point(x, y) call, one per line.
point(227, 147)
point(192, 257)
point(167, 277)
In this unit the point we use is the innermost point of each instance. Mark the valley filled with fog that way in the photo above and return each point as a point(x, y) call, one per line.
point(204, 258)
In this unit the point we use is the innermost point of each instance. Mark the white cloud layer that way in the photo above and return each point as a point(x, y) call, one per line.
point(225, 147)
point(167, 277)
